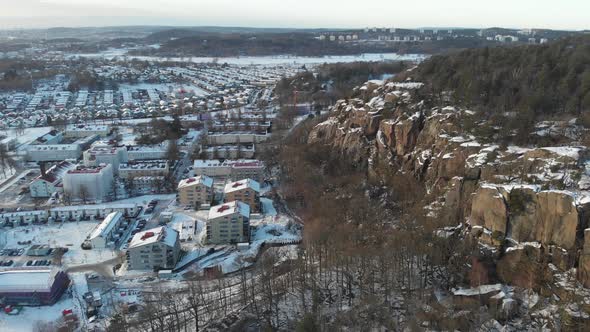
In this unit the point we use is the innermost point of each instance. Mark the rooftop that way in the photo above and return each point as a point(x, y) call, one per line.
point(162, 234)
point(106, 225)
point(199, 180)
point(228, 163)
point(27, 280)
point(88, 170)
point(242, 184)
point(152, 164)
point(54, 174)
point(229, 209)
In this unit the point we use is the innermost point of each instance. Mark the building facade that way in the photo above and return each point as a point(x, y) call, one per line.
point(157, 248)
point(195, 191)
point(49, 182)
point(144, 168)
point(233, 169)
point(108, 232)
point(32, 286)
point(228, 223)
point(246, 191)
point(89, 184)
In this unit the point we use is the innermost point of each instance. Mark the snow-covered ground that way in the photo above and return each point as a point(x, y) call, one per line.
point(29, 317)
point(266, 60)
point(67, 235)
point(29, 134)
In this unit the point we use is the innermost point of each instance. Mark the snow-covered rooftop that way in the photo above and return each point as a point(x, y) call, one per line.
point(229, 209)
point(204, 180)
point(27, 280)
point(242, 184)
point(163, 234)
point(106, 225)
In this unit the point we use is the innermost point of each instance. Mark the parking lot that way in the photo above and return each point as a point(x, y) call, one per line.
point(19, 257)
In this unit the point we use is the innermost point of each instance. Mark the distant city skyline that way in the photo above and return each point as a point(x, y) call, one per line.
point(545, 14)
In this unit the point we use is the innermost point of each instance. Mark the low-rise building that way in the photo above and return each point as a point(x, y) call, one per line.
point(96, 211)
point(89, 184)
point(32, 286)
point(24, 216)
point(234, 169)
point(108, 232)
point(229, 223)
point(246, 191)
point(195, 191)
point(83, 130)
point(230, 151)
point(144, 168)
point(53, 152)
point(157, 248)
point(50, 181)
point(147, 152)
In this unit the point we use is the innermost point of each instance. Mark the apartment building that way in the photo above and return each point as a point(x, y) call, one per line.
point(195, 191)
point(157, 248)
point(228, 223)
point(91, 184)
point(246, 191)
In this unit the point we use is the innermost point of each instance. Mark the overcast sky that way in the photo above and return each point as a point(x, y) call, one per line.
point(563, 14)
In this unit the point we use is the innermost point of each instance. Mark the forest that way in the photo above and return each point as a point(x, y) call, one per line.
point(541, 79)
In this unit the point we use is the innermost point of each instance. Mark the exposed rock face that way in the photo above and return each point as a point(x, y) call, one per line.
point(496, 188)
point(524, 209)
point(406, 134)
point(584, 262)
point(558, 219)
point(522, 266)
point(474, 297)
point(548, 217)
point(489, 210)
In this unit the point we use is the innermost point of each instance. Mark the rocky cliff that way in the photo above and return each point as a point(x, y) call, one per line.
point(528, 206)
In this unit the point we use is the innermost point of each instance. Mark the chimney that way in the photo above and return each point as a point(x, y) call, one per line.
point(42, 167)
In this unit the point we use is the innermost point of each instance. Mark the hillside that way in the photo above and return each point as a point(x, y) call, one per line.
point(545, 79)
point(477, 229)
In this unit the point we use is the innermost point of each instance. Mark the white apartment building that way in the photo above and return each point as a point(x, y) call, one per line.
point(150, 152)
point(53, 152)
point(157, 248)
point(228, 223)
point(46, 184)
point(105, 154)
point(109, 231)
point(234, 169)
point(93, 184)
point(144, 168)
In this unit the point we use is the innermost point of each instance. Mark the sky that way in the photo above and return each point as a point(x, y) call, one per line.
point(550, 14)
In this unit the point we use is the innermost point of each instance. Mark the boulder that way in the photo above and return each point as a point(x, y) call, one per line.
point(470, 298)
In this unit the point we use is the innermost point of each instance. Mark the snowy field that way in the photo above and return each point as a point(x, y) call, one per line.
point(68, 235)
